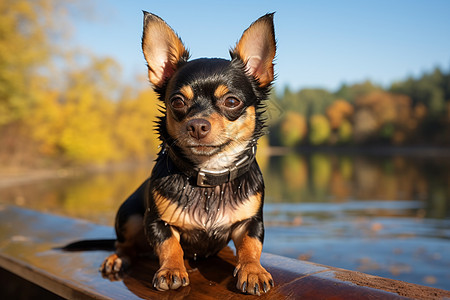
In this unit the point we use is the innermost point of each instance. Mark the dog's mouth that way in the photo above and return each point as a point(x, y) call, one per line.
point(205, 149)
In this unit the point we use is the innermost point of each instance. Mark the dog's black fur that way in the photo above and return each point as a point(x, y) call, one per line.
point(211, 122)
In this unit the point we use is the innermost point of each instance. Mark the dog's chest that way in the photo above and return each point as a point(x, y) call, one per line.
point(207, 209)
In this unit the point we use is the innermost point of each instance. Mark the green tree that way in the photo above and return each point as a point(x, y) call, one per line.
point(431, 89)
point(307, 101)
point(352, 92)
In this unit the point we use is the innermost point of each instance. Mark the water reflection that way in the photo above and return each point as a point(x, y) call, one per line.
point(95, 197)
point(383, 215)
point(293, 178)
point(297, 178)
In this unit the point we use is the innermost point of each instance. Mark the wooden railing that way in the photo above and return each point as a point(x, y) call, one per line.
point(29, 244)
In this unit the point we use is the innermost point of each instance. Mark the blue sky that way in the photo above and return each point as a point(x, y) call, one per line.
point(320, 43)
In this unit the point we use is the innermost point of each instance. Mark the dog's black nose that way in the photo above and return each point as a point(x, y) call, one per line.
point(198, 128)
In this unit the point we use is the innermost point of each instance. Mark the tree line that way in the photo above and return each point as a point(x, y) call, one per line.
point(61, 106)
point(411, 112)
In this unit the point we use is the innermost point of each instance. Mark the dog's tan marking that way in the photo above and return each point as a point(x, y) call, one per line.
point(247, 128)
point(170, 253)
point(187, 92)
point(240, 130)
point(171, 262)
point(248, 268)
point(169, 212)
point(175, 215)
point(248, 249)
point(246, 210)
point(221, 91)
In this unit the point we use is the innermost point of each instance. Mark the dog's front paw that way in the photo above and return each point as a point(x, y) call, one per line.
point(113, 266)
point(253, 278)
point(170, 278)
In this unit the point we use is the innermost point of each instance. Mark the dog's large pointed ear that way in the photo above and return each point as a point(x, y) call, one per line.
point(257, 48)
point(163, 49)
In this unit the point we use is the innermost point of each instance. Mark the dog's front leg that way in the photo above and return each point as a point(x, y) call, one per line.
point(251, 276)
point(172, 272)
point(166, 242)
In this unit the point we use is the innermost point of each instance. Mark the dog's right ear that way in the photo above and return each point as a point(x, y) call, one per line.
point(163, 49)
point(257, 48)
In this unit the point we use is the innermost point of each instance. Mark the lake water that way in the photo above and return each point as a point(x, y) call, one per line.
point(383, 215)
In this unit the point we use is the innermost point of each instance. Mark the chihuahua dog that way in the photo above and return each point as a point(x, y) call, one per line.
point(206, 187)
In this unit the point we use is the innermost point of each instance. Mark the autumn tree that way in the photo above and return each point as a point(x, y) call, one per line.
point(92, 122)
point(135, 132)
point(339, 114)
point(293, 129)
point(75, 111)
point(382, 115)
point(26, 47)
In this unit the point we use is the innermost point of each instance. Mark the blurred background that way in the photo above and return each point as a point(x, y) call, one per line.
point(357, 155)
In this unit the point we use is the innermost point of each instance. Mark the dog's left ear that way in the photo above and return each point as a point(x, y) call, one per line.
point(257, 48)
point(163, 49)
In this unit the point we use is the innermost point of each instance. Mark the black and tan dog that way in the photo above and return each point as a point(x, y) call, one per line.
point(206, 187)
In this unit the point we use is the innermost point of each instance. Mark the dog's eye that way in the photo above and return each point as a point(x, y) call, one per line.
point(177, 103)
point(232, 102)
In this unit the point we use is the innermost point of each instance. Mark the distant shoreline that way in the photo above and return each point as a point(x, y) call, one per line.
point(418, 151)
point(18, 176)
point(14, 177)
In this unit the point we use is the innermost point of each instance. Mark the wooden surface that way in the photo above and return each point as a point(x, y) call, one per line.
point(28, 242)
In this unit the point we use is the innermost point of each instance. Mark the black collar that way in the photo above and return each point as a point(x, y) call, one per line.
point(211, 178)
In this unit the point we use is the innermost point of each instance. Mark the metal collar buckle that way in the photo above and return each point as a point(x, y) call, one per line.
point(201, 178)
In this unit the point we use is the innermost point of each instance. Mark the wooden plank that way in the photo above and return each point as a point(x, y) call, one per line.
point(57, 285)
point(28, 242)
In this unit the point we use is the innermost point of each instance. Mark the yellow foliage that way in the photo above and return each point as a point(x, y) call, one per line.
point(47, 121)
point(87, 136)
point(84, 125)
point(135, 125)
point(320, 130)
point(293, 129)
point(25, 50)
point(262, 155)
point(345, 131)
